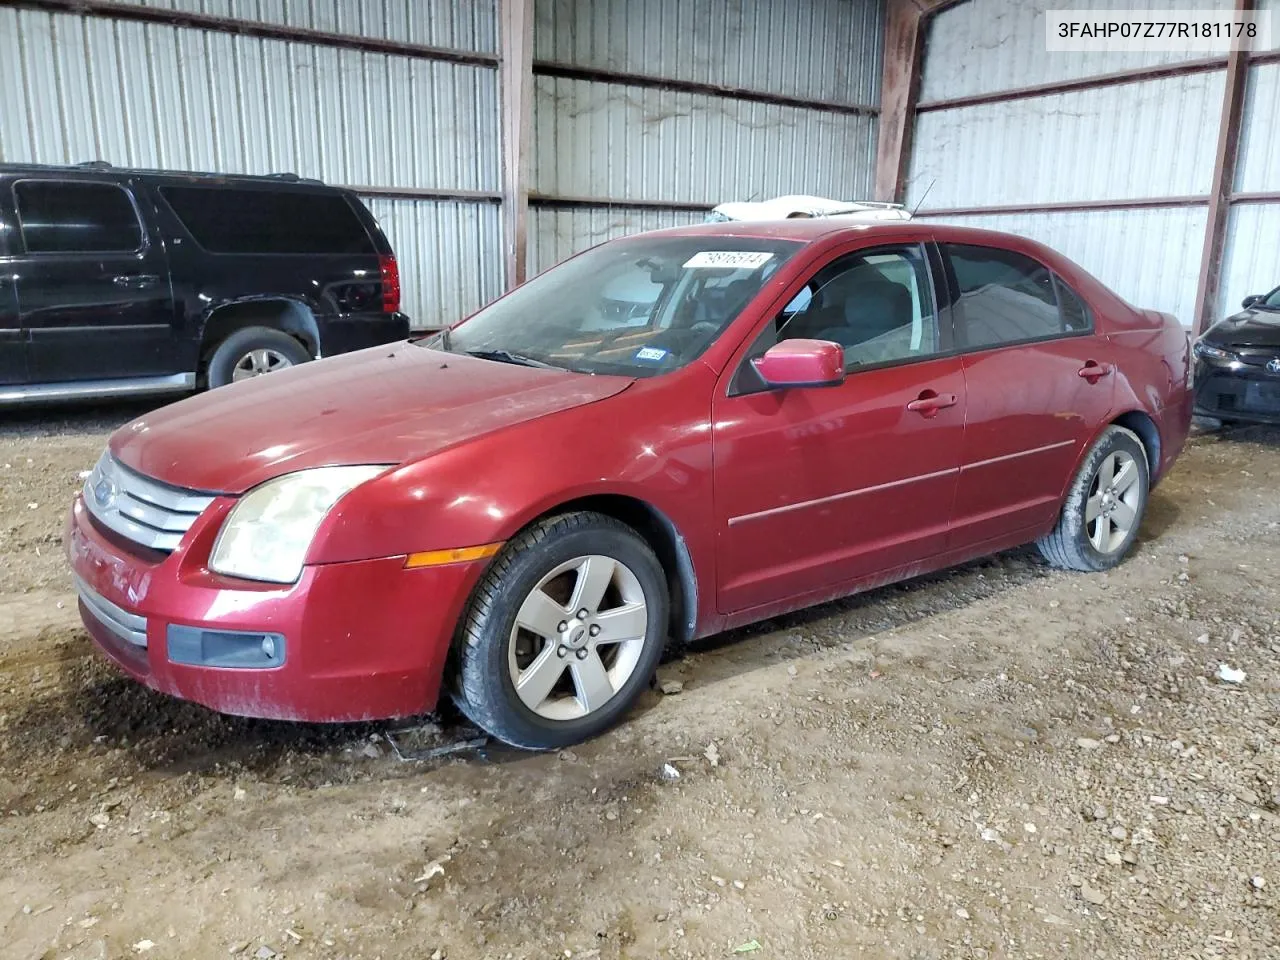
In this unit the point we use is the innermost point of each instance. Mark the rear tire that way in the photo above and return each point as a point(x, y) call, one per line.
point(253, 351)
point(530, 668)
point(1104, 505)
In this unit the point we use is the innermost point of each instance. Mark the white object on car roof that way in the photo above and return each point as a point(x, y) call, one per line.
point(800, 205)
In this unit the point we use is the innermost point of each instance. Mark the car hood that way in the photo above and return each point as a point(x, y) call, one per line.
point(389, 404)
point(1249, 328)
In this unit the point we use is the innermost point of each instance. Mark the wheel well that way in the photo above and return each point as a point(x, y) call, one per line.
point(284, 315)
point(1148, 433)
point(665, 540)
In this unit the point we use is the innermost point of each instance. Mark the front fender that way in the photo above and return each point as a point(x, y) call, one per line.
point(650, 443)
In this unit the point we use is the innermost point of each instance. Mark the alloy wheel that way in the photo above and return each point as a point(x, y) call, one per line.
point(1115, 497)
point(257, 362)
point(577, 638)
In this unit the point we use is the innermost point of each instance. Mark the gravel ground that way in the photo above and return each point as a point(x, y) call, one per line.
point(1001, 761)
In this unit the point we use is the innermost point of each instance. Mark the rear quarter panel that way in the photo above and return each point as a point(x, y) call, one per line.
point(1153, 366)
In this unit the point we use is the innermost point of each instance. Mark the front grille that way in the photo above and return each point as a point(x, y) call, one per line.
point(145, 511)
point(126, 626)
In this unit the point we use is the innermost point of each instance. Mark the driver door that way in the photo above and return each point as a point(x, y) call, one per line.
point(819, 488)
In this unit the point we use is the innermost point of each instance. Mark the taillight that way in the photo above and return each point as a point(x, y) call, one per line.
point(390, 284)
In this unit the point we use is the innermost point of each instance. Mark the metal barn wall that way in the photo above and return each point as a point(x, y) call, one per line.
point(980, 46)
point(1252, 259)
point(75, 88)
point(1138, 140)
point(628, 127)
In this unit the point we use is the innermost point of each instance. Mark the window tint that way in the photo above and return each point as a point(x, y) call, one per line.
point(239, 220)
point(71, 217)
point(1075, 315)
point(1006, 297)
point(877, 305)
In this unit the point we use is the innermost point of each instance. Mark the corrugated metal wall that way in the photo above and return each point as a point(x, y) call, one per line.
point(982, 46)
point(620, 143)
point(459, 24)
point(75, 88)
point(1149, 139)
point(1252, 260)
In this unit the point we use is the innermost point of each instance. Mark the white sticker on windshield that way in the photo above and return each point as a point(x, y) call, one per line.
point(728, 260)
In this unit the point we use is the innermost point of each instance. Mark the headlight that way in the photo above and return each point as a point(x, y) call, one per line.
point(269, 531)
point(1209, 352)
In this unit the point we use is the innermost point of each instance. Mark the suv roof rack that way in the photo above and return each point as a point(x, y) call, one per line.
point(94, 165)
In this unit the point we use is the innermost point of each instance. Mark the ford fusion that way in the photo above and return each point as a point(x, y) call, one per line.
point(664, 437)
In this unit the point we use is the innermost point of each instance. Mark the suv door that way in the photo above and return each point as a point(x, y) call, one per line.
point(93, 288)
point(1039, 385)
point(13, 347)
point(818, 487)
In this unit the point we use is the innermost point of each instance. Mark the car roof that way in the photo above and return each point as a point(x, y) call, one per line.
point(96, 168)
point(810, 230)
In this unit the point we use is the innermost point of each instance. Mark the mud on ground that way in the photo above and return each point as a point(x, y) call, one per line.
point(1001, 761)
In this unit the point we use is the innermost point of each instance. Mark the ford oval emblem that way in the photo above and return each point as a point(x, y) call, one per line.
point(104, 491)
point(1274, 365)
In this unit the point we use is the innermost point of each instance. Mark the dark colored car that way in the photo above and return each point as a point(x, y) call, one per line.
point(525, 508)
point(119, 282)
point(1237, 372)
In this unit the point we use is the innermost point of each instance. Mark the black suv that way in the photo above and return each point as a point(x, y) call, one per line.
point(120, 282)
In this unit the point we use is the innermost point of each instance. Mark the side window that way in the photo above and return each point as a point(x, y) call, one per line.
point(1075, 315)
point(76, 217)
point(877, 304)
point(1006, 297)
point(255, 221)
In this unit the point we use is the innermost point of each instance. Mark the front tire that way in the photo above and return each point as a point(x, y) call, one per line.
point(563, 633)
point(252, 352)
point(1104, 506)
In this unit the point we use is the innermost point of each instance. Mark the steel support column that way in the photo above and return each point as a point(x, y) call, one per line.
point(1224, 175)
point(516, 28)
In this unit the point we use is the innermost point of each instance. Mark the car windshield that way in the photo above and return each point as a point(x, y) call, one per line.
point(1273, 300)
point(636, 307)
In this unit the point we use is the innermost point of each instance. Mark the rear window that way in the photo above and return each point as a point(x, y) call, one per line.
point(71, 216)
point(238, 220)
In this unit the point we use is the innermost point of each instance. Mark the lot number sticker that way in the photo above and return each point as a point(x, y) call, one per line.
point(728, 260)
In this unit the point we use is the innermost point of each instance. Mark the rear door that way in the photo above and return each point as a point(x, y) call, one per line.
point(1039, 383)
point(13, 348)
point(93, 286)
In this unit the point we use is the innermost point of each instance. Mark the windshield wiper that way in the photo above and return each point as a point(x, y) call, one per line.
point(506, 356)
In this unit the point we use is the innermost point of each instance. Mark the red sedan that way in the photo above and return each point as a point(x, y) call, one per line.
point(664, 437)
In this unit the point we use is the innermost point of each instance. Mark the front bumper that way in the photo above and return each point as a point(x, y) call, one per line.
point(1243, 392)
point(358, 641)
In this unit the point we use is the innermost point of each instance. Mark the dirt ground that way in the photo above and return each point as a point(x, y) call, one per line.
point(996, 762)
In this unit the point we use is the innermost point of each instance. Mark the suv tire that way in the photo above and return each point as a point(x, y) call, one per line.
point(252, 351)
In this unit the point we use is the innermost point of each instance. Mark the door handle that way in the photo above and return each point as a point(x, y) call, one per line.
point(1093, 371)
point(136, 281)
point(929, 403)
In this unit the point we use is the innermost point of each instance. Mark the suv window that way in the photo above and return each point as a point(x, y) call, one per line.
point(239, 220)
point(76, 217)
point(877, 304)
point(1006, 297)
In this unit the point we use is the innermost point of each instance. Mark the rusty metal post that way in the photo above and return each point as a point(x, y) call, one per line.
point(903, 48)
point(516, 97)
point(1224, 175)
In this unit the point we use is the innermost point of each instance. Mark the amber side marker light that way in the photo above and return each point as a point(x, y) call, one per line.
point(438, 558)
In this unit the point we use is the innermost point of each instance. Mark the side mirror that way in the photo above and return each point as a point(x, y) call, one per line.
point(802, 363)
point(1250, 300)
